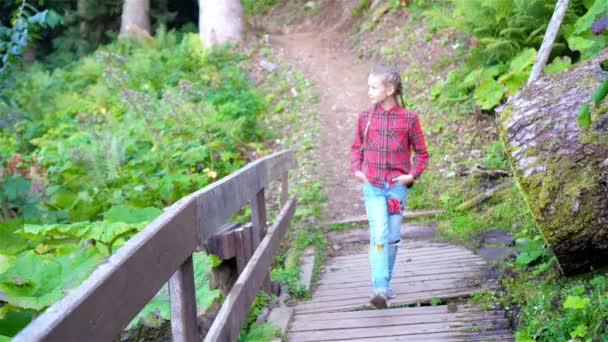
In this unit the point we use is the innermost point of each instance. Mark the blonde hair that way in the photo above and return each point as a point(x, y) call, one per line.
point(390, 77)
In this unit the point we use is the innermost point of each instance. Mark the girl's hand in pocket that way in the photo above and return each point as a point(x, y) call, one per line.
point(361, 177)
point(406, 180)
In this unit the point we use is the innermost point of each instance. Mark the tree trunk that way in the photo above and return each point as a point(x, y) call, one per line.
point(135, 20)
point(220, 21)
point(562, 169)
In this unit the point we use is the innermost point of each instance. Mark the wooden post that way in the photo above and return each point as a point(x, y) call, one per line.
point(258, 217)
point(550, 35)
point(183, 304)
point(243, 247)
point(284, 188)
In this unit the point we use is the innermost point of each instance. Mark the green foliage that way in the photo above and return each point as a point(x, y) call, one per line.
point(580, 36)
point(261, 332)
point(13, 319)
point(600, 93)
point(531, 252)
point(36, 281)
point(257, 6)
point(504, 37)
point(584, 116)
point(115, 136)
point(13, 41)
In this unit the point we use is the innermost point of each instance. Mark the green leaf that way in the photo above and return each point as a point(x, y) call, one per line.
point(488, 94)
point(13, 319)
point(523, 60)
point(600, 7)
point(600, 93)
point(126, 214)
point(576, 302)
point(584, 116)
point(12, 243)
point(580, 331)
point(558, 64)
point(37, 281)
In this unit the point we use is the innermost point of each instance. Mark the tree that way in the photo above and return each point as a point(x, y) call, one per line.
point(135, 18)
point(220, 21)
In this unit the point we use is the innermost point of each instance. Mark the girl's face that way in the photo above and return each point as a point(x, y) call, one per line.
point(377, 91)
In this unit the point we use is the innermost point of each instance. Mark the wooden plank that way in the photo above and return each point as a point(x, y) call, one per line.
point(400, 300)
point(403, 275)
point(218, 201)
point(407, 270)
point(417, 250)
point(408, 214)
point(184, 325)
point(401, 288)
point(408, 254)
point(472, 260)
point(118, 288)
point(492, 335)
point(228, 323)
point(403, 330)
point(387, 321)
point(258, 218)
point(407, 311)
point(398, 279)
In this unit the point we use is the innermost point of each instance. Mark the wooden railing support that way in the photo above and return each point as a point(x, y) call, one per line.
point(184, 324)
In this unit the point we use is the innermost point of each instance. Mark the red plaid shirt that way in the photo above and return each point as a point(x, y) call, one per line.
point(390, 137)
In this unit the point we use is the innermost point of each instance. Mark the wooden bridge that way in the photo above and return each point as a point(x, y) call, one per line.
point(101, 307)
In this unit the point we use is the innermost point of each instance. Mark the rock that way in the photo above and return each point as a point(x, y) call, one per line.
point(263, 316)
point(495, 253)
point(294, 92)
point(267, 65)
point(495, 237)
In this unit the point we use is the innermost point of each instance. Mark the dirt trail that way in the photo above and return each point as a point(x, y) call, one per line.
point(341, 79)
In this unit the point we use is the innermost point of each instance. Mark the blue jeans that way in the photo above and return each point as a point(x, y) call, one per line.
point(384, 230)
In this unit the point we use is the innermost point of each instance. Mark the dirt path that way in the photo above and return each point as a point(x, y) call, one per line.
point(341, 79)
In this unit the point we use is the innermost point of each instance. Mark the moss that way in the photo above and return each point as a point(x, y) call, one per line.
point(551, 197)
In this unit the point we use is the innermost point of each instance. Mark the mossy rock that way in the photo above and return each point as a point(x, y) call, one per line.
point(561, 168)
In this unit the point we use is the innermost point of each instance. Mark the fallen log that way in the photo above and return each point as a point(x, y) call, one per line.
point(562, 169)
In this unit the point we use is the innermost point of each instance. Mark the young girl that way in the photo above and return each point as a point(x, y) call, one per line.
point(380, 159)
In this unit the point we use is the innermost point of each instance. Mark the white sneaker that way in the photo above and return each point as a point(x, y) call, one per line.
point(390, 294)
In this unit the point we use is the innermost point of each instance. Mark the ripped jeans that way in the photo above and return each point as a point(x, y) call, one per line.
point(384, 230)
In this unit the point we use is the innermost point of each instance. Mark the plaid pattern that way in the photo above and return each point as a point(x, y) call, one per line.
point(386, 153)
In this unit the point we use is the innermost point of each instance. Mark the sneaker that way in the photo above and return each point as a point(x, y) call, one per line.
point(390, 294)
point(379, 300)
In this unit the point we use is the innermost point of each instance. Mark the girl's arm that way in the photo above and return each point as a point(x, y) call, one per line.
point(421, 159)
point(356, 154)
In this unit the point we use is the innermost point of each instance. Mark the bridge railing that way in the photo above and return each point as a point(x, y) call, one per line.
point(106, 302)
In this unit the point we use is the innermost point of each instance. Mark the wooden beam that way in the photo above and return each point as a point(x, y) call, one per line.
point(229, 321)
point(104, 304)
point(184, 324)
point(550, 35)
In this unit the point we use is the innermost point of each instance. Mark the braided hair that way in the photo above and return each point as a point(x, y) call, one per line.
point(390, 77)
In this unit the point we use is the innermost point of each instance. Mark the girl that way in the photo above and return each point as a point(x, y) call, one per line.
point(380, 159)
